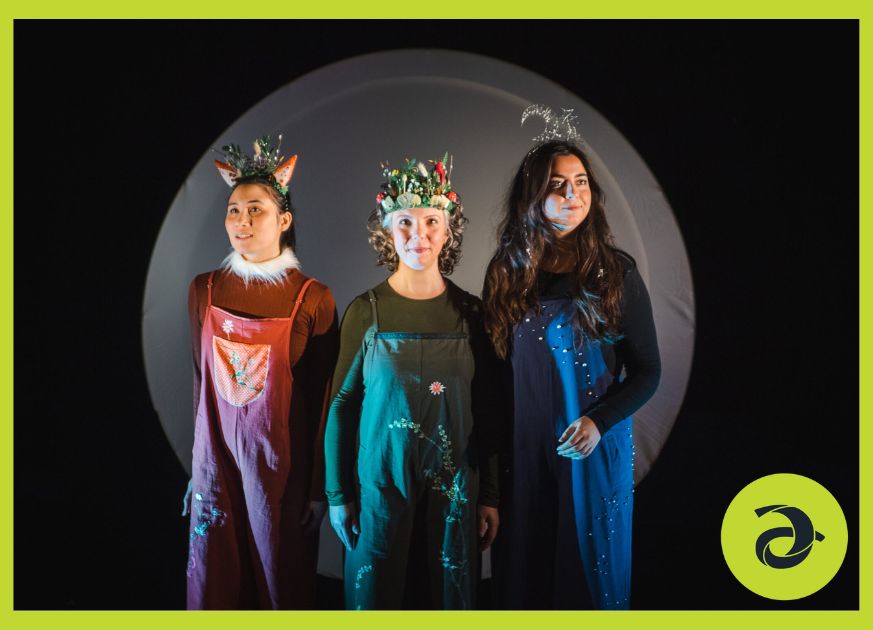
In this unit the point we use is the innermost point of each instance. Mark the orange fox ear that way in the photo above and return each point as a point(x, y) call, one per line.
point(284, 172)
point(227, 172)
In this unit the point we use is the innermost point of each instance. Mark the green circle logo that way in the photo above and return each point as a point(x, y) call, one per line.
point(784, 536)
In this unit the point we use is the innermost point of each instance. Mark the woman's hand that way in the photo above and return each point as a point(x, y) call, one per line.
point(313, 513)
point(580, 439)
point(186, 500)
point(489, 522)
point(344, 520)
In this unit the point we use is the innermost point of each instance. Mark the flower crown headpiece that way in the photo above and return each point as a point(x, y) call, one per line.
point(265, 163)
point(414, 186)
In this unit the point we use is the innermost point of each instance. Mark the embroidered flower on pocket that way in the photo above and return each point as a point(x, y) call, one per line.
point(227, 326)
point(437, 388)
point(240, 370)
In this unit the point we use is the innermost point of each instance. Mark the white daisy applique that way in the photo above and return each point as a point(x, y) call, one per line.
point(437, 388)
point(227, 326)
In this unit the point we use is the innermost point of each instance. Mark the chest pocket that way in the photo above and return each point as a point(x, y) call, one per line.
point(241, 370)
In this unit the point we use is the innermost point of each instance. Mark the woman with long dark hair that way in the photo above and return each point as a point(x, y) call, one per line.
point(264, 341)
point(571, 314)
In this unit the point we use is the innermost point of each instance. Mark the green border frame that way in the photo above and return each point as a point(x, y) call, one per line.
point(673, 620)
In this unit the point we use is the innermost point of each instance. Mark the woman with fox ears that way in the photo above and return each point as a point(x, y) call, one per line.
point(264, 341)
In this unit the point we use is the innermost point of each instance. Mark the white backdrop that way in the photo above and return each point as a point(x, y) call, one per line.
point(345, 118)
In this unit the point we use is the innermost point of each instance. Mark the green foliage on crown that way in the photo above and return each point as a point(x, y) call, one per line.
point(415, 186)
point(261, 164)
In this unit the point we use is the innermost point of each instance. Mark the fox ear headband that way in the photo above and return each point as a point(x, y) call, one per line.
point(266, 163)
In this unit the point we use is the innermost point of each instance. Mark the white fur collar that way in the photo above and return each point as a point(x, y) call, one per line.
point(271, 271)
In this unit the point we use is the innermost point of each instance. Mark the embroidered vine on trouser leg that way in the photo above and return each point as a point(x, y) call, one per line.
point(446, 481)
point(367, 568)
point(456, 564)
point(208, 517)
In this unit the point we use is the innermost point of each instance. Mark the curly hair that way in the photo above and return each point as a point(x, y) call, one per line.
point(525, 236)
point(379, 228)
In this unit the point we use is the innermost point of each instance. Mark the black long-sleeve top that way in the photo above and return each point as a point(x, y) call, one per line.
point(636, 353)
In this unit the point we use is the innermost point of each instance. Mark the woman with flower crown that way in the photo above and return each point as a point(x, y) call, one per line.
point(264, 341)
point(571, 314)
point(410, 471)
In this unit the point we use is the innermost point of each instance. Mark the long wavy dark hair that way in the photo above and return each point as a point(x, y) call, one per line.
point(525, 236)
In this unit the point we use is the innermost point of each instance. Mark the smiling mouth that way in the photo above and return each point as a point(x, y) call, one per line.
point(244, 235)
point(418, 250)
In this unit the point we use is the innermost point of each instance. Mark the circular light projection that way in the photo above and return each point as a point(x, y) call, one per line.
point(345, 118)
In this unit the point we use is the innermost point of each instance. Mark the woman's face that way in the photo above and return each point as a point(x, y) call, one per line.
point(569, 197)
point(419, 235)
point(254, 222)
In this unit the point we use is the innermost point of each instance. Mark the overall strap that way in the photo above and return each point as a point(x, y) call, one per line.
point(299, 299)
point(209, 289)
point(373, 308)
point(465, 314)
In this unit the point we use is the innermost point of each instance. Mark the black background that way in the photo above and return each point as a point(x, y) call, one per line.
point(750, 127)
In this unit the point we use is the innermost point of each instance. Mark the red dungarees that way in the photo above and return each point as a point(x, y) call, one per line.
point(247, 547)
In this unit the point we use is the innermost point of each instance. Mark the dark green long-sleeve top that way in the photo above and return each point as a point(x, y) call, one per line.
point(444, 313)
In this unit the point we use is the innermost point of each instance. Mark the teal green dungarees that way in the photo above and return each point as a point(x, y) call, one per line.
point(415, 431)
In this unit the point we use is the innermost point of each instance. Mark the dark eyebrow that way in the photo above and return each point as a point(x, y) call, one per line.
point(234, 203)
point(562, 177)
